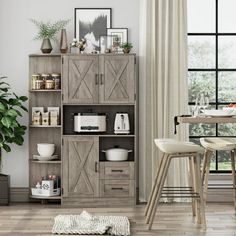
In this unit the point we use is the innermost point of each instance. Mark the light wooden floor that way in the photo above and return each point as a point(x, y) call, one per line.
point(172, 219)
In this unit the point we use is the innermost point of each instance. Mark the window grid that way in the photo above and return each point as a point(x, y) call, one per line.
point(216, 70)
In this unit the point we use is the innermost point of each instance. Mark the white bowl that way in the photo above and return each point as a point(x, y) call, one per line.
point(218, 112)
point(45, 149)
point(232, 109)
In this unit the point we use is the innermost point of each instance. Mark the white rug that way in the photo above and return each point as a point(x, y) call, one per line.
point(88, 224)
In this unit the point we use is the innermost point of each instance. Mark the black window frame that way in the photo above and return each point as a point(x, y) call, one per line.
point(216, 70)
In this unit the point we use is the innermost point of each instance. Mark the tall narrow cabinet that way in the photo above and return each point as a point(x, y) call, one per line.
point(41, 64)
point(104, 83)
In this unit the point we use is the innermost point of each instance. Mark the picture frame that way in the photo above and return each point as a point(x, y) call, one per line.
point(118, 33)
point(90, 23)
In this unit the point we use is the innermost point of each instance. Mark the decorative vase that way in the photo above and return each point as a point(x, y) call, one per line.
point(126, 50)
point(63, 43)
point(46, 46)
point(74, 50)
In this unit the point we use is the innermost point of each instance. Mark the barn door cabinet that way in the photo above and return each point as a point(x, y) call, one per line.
point(103, 79)
point(104, 83)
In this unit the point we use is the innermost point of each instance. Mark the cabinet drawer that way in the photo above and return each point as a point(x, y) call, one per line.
point(117, 170)
point(117, 188)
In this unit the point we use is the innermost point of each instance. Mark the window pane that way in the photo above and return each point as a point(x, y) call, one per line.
point(226, 16)
point(204, 22)
point(227, 86)
point(227, 51)
point(202, 130)
point(201, 82)
point(201, 52)
point(224, 162)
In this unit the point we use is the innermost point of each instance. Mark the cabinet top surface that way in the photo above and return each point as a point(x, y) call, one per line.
point(71, 54)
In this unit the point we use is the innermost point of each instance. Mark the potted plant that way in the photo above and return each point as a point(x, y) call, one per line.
point(77, 46)
point(48, 31)
point(11, 131)
point(126, 47)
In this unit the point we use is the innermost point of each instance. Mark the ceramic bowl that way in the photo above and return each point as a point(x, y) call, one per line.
point(46, 149)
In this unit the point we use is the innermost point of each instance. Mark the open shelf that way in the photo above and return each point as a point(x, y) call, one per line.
point(46, 162)
point(45, 126)
point(44, 90)
point(46, 198)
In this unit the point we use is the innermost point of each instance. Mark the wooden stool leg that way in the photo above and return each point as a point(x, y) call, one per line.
point(205, 173)
point(158, 174)
point(157, 187)
point(205, 158)
point(201, 206)
point(233, 157)
point(158, 196)
point(192, 183)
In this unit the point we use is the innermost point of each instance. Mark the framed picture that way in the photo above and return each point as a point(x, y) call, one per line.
point(119, 36)
point(90, 23)
point(109, 42)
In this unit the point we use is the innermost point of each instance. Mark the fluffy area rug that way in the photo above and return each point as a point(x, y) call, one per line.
point(88, 224)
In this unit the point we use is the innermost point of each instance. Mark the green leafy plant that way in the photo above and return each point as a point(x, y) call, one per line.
point(11, 106)
point(126, 45)
point(48, 30)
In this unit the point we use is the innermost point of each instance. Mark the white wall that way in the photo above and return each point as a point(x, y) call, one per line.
point(16, 34)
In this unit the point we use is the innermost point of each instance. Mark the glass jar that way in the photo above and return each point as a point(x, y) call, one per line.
point(44, 78)
point(34, 78)
point(49, 83)
point(39, 84)
point(57, 81)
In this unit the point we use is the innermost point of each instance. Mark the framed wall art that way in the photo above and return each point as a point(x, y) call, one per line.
point(90, 23)
point(119, 36)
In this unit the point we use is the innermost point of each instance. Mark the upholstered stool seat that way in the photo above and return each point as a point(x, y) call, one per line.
point(176, 149)
point(218, 144)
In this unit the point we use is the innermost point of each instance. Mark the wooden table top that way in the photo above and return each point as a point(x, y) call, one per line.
point(206, 119)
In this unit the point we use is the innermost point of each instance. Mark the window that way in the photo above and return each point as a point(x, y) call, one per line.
point(212, 66)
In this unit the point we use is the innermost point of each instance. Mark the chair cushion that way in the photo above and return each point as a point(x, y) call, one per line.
point(172, 146)
point(216, 143)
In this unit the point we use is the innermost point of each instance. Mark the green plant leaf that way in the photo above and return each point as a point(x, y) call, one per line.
point(23, 98)
point(7, 132)
point(14, 102)
point(24, 108)
point(12, 113)
point(18, 140)
point(2, 107)
point(6, 121)
point(6, 147)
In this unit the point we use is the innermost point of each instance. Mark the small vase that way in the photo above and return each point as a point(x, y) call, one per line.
point(46, 46)
point(74, 50)
point(126, 50)
point(63, 43)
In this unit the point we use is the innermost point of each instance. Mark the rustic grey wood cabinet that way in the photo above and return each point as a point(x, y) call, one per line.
point(98, 79)
point(80, 167)
point(104, 83)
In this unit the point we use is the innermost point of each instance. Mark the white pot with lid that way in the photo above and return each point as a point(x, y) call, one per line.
point(117, 154)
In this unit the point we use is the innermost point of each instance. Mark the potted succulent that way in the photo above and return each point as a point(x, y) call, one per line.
point(48, 31)
point(126, 47)
point(11, 131)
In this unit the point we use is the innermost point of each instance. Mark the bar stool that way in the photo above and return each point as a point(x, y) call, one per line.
point(217, 144)
point(175, 149)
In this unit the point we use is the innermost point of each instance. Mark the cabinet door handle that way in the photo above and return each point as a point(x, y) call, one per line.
point(101, 79)
point(116, 170)
point(117, 188)
point(96, 79)
point(96, 167)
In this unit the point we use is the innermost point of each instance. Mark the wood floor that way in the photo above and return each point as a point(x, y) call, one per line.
point(172, 219)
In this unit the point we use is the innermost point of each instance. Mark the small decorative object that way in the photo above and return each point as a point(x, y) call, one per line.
point(57, 80)
point(37, 115)
point(48, 31)
point(49, 83)
point(46, 149)
point(119, 37)
point(63, 42)
point(37, 118)
point(77, 46)
point(127, 47)
point(34, 78)
point(45, 118)
point(54, 115)
point(38, 185)
point(105, 42)
point(90, 23)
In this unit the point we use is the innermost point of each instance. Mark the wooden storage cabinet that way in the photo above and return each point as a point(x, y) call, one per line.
point(80, 167)
point(104, 79)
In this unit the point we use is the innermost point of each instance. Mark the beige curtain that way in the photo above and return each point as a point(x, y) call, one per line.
point(163, 86)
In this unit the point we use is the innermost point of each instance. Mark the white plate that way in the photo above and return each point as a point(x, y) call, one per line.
point(40, 158)
point(218, 113)
point(221, 115)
